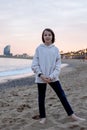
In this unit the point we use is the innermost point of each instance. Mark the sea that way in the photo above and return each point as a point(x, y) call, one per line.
point(12, 68)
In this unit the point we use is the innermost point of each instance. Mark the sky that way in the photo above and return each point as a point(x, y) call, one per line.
point(22, 23)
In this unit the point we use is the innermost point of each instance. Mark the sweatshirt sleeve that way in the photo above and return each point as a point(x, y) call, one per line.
point(57, 68)
point(35, 63)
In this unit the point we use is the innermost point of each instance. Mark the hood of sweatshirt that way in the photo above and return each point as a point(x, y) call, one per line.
point(49, 46)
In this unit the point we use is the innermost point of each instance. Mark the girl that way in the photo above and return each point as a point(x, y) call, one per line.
point(46, 65)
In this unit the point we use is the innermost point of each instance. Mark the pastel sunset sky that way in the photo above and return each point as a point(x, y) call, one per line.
point(22, 23)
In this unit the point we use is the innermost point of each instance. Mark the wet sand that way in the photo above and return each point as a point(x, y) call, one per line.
point(18, 101)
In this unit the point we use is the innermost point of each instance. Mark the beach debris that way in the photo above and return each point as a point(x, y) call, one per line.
point(36, 117)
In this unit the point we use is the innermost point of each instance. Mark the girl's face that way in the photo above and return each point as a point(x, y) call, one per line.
point(47, 37)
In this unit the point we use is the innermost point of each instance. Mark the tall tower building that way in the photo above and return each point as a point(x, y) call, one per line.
point(7, 51)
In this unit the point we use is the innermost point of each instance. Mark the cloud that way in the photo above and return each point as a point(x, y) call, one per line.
point(23, 18)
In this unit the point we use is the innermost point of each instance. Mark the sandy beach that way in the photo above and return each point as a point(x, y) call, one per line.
point(18, 101)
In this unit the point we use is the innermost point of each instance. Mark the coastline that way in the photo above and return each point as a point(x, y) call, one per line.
point(70, 65)
point(19, 103)
point(13, 80)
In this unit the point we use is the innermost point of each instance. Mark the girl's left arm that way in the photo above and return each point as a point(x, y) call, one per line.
point(57, 68)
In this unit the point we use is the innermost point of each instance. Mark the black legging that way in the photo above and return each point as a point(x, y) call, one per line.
point(56, 86)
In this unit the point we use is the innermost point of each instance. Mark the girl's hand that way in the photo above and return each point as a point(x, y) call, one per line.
point(44, 78)
point(49, 80)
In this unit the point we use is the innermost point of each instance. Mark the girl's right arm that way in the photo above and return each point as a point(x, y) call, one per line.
point(35, 63)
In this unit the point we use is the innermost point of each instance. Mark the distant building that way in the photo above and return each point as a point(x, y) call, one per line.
point(7, 51)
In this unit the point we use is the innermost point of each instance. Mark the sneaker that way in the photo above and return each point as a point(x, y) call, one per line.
point(43, 120)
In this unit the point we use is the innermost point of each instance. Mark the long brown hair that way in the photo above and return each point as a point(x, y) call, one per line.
point(49, 30)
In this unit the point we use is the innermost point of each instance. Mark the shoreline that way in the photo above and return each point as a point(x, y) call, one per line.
point(20, 80)
point(17, 72)
point(30, 79)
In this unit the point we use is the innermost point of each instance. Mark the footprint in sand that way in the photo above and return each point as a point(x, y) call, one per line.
point(74, 126)
point(8, 120)
point(22, 107)
point(83, 97)
point(82, 128)
point(14, 93)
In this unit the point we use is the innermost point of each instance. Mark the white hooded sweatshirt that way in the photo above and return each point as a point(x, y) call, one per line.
point(47, 61)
